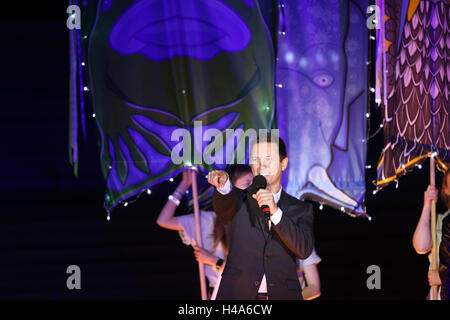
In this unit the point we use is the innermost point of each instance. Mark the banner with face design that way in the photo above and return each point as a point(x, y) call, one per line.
point(165, 72)
point(321, 95)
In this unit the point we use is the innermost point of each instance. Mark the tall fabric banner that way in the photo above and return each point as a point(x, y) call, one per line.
point(155, 67)
point(321, 95)
point(413, 85)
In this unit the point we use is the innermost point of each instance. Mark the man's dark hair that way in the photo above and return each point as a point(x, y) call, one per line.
point(269, 138)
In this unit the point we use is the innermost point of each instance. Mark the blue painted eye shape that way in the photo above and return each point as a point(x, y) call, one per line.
point(323, 79)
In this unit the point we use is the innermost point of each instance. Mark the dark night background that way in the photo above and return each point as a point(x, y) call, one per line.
point(50, 219)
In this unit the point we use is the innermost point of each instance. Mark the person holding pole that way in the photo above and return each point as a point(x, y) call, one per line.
point(214, 234)
point(422, 238)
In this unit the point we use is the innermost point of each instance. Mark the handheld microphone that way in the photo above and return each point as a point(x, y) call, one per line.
point(260, 182)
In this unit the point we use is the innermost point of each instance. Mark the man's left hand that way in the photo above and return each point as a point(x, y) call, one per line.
point(265, 197)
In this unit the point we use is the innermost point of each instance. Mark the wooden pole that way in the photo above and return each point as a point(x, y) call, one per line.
point(198, 236)
point(434, 289)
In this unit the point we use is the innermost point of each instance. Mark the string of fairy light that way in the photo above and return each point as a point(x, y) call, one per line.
point(379, 102)
point(382, 124)
point(148, 191)
point(280, 86)
point(282, 33)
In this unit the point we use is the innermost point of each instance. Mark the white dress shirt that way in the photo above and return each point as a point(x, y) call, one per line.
point(274, 218)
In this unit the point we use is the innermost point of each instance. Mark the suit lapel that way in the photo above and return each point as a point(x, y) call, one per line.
point(255, 214)
point(283, 202)
point(252, 211)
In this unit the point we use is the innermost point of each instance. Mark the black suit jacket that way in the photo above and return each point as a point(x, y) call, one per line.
point(255, 251)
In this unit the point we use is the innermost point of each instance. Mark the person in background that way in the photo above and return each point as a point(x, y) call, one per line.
point(215, 236)
point(422, 241)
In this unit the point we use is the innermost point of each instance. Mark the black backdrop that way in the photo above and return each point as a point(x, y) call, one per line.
point(49, 219)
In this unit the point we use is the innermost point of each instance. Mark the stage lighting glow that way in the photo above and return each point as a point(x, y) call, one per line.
point(303, 62)
point(289, 57)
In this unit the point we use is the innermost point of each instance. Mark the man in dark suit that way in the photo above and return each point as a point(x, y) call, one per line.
point(261, 262)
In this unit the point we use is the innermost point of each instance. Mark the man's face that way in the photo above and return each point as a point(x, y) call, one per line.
point(265, 160)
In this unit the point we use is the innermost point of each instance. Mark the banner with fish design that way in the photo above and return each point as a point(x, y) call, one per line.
point(321, 95)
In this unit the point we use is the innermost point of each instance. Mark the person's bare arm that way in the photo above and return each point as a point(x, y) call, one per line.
point(422, 235)
point(312, 278)
point(166, 218)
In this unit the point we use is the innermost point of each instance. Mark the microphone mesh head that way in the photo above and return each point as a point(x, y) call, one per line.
point(259, 182)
